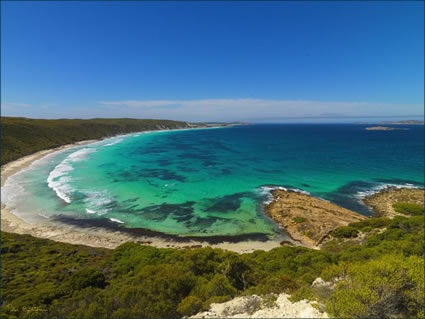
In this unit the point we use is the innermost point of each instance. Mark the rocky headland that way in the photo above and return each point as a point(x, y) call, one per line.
point(383, 201)
point(308, 219)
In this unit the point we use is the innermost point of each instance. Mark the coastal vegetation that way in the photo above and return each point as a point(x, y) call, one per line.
point(381, 276)
point(22, 136)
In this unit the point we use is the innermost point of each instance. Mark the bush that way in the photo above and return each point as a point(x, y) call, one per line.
point(374, 222)
point(87, 277)
point(276, 284)
point(301, 294)
point(345, 232)
point(387, 287)
point(189, 306)
point(299, 220)
point(409, 209)
point(366, 229)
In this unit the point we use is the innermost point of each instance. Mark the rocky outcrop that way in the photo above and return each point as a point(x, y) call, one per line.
point(255, 307)
point(306, 218)
point(383, 201)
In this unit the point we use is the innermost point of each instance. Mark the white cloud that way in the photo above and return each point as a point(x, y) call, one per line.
point(14, 105)
point(247, 109)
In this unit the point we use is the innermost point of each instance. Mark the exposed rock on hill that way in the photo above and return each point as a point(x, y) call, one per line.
point(253, 307)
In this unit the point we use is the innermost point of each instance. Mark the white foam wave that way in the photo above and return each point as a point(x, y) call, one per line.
point(116, 220)
point(114, 141)
point(59, 179)
point(12, 191)
point(96, 202)
point(44, 215)
point(268, 189)
point(380, 187)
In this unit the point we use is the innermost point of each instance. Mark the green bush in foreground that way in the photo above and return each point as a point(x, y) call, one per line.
point(46, 279)
point(381, 288)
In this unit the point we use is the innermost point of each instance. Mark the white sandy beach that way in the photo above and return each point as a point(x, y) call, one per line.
point(96, 237)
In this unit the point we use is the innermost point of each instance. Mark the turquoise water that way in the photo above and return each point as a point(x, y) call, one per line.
point(214, 182)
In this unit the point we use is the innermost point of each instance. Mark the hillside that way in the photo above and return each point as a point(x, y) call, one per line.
point(380, 275)
point(23, 136)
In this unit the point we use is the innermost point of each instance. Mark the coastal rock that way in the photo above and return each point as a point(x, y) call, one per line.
point(286, 243)
point(383, 201)
point(306, 218)
point(253, 307)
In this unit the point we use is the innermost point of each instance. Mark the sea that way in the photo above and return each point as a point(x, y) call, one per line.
point(214, 181)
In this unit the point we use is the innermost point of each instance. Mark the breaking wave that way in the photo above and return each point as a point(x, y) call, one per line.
point(267, 190)
point(59, 178)
point(366, 193)
point(98, 202)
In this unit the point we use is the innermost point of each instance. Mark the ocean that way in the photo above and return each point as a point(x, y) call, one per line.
point(214, 182)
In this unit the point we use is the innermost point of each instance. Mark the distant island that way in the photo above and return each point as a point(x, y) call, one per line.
point(407, 122)
point(383, 128)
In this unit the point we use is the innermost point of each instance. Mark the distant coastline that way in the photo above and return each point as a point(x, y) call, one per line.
point(383, 128)
point(407, 122)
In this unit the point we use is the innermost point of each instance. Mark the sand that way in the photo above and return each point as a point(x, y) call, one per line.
point(98, 236)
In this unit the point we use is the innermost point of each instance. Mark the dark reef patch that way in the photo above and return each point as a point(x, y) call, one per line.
point(227, 203)
point(195, 156)
point(143, 173)
point(344, 196)
point(225, 171)
point(106, 224)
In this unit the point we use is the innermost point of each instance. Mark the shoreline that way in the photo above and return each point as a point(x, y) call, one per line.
point(107, 234)
point(113, 235)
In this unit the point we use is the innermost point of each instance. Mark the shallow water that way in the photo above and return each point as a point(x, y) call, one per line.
point(213, 182)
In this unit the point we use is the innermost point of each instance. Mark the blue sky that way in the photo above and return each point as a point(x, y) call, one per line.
point(217, 61)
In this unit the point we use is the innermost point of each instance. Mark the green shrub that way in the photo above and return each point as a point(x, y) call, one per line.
point(189, 306)
point(374, 222)
point(382, 288)
point(409, 209)
point(87, 277)
point(275, 285)
point(345, 232)
point(301, 294)
point(366, 229)
point(299, 220)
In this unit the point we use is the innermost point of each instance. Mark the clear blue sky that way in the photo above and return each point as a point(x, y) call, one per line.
point(212, 60)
